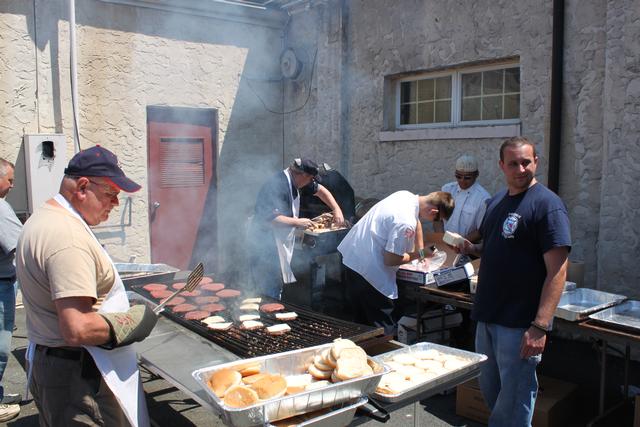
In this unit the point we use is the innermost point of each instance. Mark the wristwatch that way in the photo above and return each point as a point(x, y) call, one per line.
point(538, 326)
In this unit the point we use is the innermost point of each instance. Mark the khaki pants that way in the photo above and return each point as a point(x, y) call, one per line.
point(72, 393)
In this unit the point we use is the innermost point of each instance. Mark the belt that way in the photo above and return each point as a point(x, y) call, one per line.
point(61, 352)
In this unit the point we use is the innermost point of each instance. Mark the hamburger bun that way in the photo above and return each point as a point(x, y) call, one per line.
point(213, 319)
point(279, 329)
point(220, 381)
point(328, 358)
point(249, 369)
point(318, 373)
point(339, 345)
point(297, 383)
point(270, 387)
point(291, 315)
point(319, 363)
point(250, 325)
point(219, 326)
point(352, 367)
point(240, 396)
point(249, 380)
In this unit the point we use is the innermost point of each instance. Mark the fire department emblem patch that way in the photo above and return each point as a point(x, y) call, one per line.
point(510, 225)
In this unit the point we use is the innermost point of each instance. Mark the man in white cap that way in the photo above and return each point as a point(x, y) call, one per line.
point(470, 200)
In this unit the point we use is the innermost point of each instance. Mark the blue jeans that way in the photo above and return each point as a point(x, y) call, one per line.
point(509, 384)
point(7, 317)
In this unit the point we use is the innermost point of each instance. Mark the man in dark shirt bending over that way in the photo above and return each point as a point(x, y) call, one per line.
point(526, 241)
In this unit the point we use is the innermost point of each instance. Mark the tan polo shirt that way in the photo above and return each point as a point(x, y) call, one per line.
point(58, 258)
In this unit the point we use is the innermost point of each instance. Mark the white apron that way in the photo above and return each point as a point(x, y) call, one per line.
point(119, 367)
point(285, 238)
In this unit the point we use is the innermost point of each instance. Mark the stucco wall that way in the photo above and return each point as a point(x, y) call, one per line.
point(130, 58)
point(386, 38)
point(619, 239)
point(599, 149)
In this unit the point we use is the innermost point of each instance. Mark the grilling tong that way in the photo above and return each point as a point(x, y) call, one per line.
point(192, 281)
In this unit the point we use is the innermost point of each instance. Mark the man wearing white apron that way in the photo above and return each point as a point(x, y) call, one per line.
point(79, 324)
point(271, 232)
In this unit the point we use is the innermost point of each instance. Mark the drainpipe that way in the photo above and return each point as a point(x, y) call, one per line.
point(555, 125)
point(345, 131)
point(74, 74)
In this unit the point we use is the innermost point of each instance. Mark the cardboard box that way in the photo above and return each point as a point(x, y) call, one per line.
point(407, 333)
point(555, 403)
point(470, 403)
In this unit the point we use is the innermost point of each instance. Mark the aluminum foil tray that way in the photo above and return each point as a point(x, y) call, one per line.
point(289, 363)
point(579, 303)
point(622, 316)
point(446, 380)
point(337, 416)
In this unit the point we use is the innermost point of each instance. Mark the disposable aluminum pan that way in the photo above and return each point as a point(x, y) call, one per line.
point(579, 303)
point(338, 417)
point(447, 380)
point(289, 363)
point(623, 316)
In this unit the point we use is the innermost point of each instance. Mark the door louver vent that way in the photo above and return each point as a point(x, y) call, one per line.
point(181, 162)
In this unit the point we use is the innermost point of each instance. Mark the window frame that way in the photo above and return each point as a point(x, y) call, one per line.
point(456, 97)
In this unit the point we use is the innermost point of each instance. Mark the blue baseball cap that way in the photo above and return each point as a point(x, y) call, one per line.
point(98, 161)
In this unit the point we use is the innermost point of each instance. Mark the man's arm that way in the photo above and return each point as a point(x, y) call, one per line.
point(326, 196)
point(79, 324)
point(292, 222)
point(467, 248)
point(473, 236)
point(391, 259)
point(419, 240)
point(534, 339)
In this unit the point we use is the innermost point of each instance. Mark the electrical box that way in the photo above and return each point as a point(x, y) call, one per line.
point(45, 158)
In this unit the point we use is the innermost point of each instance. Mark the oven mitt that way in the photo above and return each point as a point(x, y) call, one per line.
point(129, 327)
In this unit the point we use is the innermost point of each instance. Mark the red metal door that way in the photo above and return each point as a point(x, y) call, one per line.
point(182, 183)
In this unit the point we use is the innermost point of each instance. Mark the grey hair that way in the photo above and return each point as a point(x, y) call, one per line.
point(4, 166)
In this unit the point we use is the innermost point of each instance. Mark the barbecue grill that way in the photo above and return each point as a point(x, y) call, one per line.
point(324, 242)
point(309, 329)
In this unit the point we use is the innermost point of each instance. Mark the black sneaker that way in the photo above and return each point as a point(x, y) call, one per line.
point(11, 398)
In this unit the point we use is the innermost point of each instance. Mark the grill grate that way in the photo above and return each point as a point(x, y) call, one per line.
point(309, 329)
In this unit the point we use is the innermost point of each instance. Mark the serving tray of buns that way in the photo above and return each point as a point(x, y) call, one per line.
point(269, 388)
point(423, 367)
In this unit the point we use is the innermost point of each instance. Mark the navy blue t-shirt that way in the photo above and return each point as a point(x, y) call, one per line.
point(517, 231)
point(274, 198)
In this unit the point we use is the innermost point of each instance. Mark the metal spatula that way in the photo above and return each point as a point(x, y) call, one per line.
point(192, 281)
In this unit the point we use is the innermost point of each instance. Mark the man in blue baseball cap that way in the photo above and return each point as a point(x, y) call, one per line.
point(79, 322)
point(276, 216)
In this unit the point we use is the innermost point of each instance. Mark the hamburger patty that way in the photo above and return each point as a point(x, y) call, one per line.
point(228, 293)
point(213, 308)
point(183, 308)
point(271, 307)
point(161, 294)
point(207, 299)
point(154, 287)
point(212, 287)
point(196, 315)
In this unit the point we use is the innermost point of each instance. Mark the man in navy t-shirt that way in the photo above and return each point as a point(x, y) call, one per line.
point(526, 241)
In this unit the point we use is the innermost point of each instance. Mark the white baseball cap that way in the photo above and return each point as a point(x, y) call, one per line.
point(466, 163)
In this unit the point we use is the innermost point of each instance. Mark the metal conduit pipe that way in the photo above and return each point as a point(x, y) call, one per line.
point(74, 74)
point(555, 123)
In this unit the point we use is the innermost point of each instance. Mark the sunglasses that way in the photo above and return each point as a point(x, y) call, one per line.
point(464, 177)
